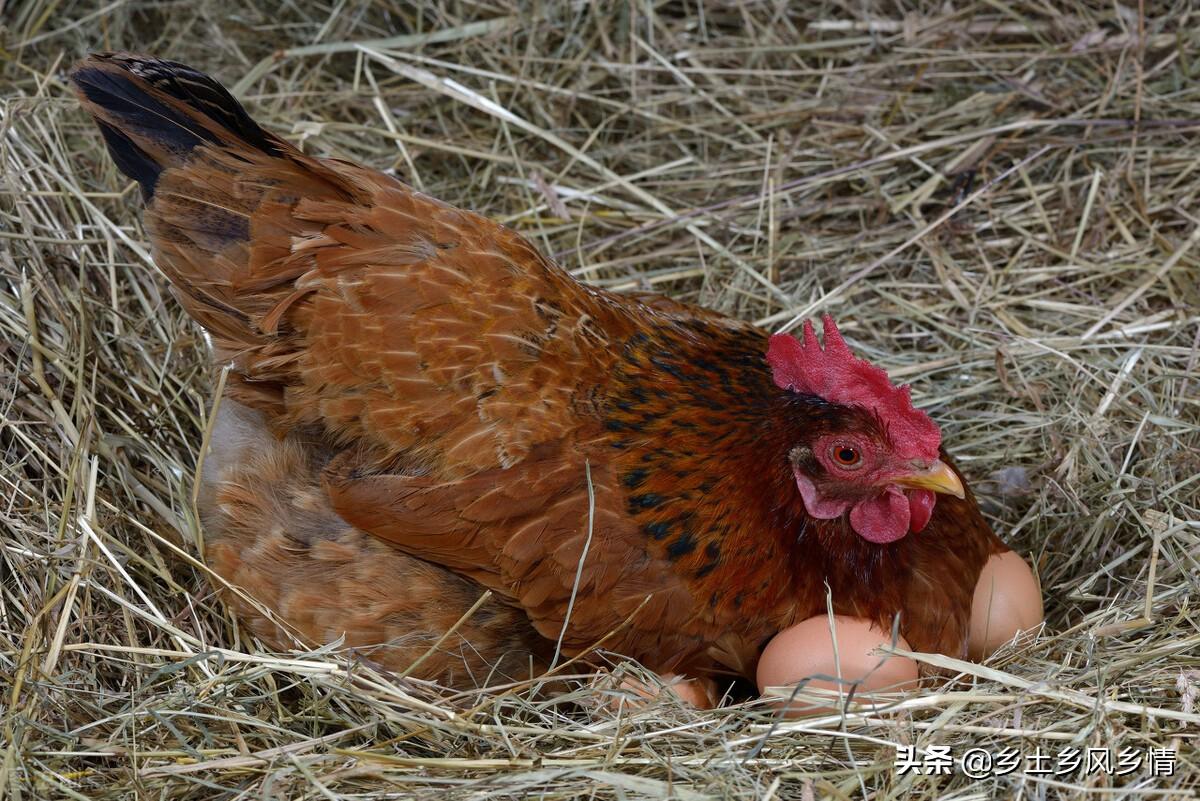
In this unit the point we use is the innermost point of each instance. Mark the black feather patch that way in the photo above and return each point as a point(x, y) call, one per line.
point(140, 110)
point(130, 160)
point(142, 126)
point(202, 93)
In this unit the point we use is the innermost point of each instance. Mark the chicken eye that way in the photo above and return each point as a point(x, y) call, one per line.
point(846, 456)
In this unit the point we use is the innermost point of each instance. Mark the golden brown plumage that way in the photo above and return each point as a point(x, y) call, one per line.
point(272, 531)
point(432, 382)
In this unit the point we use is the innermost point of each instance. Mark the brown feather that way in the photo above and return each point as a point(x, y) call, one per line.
point(275, 538)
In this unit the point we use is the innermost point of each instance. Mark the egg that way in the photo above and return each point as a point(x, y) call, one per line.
point(1007, 601)
point(621, 690)
point(806, 649)
point(700, 693)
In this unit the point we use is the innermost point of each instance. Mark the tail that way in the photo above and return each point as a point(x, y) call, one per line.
point(154, 113)
point(224, 198)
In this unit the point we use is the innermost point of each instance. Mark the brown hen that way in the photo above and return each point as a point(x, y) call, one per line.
point(436, 405)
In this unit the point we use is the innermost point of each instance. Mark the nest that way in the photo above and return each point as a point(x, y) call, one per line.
point(997, 202)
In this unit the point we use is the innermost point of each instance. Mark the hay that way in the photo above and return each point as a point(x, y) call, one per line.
point(997, 200)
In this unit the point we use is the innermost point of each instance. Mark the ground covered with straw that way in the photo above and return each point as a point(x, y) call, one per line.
point(997, 200)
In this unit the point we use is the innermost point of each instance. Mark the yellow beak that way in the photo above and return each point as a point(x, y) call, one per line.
point(940, 477)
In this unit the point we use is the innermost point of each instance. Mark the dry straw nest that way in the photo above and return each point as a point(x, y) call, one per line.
point(996, 199)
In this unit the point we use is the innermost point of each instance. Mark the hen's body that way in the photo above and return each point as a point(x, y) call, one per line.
point(272, 533)
point(431, 382)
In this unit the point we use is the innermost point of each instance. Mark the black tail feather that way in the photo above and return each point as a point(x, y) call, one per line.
point(130, 160)
point(131, 99)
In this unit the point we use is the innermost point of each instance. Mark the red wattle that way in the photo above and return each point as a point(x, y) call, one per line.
point(882, 519)
point(920, 508)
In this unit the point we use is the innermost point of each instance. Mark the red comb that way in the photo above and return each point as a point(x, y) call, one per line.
point(835, 375)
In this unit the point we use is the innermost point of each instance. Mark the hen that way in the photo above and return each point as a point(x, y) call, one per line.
point(420, 398)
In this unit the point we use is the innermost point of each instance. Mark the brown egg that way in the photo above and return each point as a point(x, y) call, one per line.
point(700, 693)
point(1007, 601)
point(633, 693)
point(806, 649)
